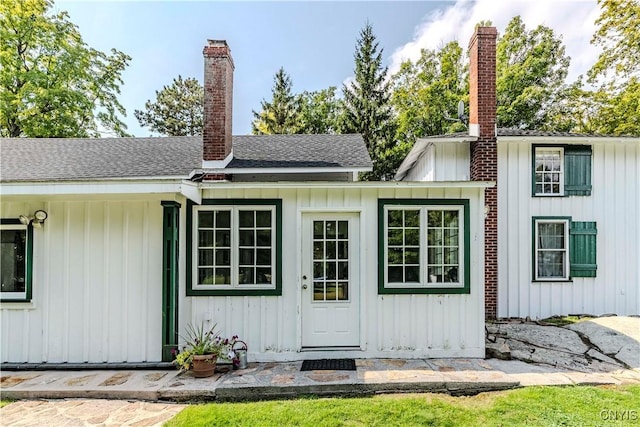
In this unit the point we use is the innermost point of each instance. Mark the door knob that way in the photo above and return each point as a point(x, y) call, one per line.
point(304, 286)
point(304, 277)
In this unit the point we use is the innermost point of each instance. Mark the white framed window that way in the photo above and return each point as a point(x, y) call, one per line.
point(551, 249)
point(423, 246)
point(235, 247)
point(549, 171)
point(16, 263)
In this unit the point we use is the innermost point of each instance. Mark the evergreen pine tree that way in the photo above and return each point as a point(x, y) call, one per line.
point(281, 114)
point(367, 110)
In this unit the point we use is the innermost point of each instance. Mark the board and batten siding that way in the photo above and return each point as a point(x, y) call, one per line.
point(411, 326)
point(97, 283)
point(441, 161)
point(614, 204)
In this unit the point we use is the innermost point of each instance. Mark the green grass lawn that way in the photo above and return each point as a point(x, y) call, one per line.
point(530, 406)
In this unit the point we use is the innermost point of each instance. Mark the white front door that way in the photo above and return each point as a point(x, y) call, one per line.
point(330, 280)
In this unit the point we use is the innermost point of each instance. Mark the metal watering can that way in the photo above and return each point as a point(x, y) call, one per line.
point(240, 348)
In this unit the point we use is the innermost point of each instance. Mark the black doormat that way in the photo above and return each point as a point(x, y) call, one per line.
point(329, 365)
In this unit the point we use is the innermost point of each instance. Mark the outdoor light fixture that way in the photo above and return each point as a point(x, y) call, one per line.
point(37, 219)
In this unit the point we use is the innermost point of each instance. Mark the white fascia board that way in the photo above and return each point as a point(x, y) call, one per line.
point(191, 190)
point(258, 171)
point(420, 147)
point(217, 164)
point(567, 139)
point(347, 184)
point(89, 187)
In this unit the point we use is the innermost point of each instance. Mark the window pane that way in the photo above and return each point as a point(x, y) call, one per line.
point(318, 270)
point(395, 256)
point(331, 291)
point(263, 218)
point(245, 218)
point(434, 219)
point(245, 276)
point(435, 255)
point(343, 250)
point(263, 275)
point(331, 250)
point(395, 218)
point(223, 238)
point(263, 237)
point(451, 219)
point(412, 274)
point(331, 271)
point(318, 230)
point(451, 275)
point(395, 237)
point(331, 229)
point(343, 270)
point(412, 236)
point(263, 257)
point(318, 291)
point(551, 264)
point(223, 276)
point(343, 229)
point(343, 291)
point(412, 218)
point(434, 237)
point(318, 250)
point(205, 257)
point(205, 238)
point(245, 237)
point(205, 219)
point(246, 256)
point(451, 256)
point(223, 257)
point(411, 256)
point(395, 274)
point(13, 260)
point(435, 275)
point(223, 219)
point(205, 276)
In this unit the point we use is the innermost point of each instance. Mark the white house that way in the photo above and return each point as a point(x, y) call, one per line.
point(110, 247)
point(568, 212)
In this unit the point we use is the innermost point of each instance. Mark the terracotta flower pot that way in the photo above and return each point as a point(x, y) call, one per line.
point(204, 365)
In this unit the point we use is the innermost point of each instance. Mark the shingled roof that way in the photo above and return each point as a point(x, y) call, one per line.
point(70, 159)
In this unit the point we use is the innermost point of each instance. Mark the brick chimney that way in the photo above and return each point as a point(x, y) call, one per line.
point(484, 153)
point(218, 99)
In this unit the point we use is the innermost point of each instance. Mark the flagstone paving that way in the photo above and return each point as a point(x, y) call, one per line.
point(601, 352)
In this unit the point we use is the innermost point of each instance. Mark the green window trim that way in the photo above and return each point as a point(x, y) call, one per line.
point(276, 290)
point(576, 164)
point(582, 242)
point(382, 249)
point(170, 277)
point(29, 262)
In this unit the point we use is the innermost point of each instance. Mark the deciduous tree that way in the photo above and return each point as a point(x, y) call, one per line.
point(52, 84)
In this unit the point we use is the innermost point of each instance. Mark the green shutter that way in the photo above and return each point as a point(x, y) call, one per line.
point(577, 170)
point(583, 249)
point(170, 244)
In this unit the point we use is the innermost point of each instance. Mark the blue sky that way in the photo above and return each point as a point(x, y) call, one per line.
point(313, 41)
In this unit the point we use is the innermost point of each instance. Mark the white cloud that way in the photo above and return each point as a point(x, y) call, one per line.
point(572, 20)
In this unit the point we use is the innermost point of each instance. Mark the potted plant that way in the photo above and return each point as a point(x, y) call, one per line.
point(201, 351)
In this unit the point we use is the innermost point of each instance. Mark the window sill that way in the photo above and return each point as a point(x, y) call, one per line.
point(233, 292)
point(17, 305)
point(422, 290)
point(552, 281)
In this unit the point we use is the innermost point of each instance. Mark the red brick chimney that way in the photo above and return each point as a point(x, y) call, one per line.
point(218, 100)
point(484, 153)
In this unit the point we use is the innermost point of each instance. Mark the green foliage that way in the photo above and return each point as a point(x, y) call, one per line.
point(539, 406)
point(177, 111)
point(319, 112)
point(51, 83)
point(531, 67)
point(425, 96)
point(367, 107)
point(618, 34)
point(617, 70)
point(280, 115)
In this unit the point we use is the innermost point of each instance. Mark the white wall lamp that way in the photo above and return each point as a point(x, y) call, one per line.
point(37, 219)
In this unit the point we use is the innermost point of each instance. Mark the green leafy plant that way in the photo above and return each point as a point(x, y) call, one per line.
point(199, 341)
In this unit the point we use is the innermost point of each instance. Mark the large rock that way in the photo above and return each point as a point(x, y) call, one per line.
point(617, 337)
